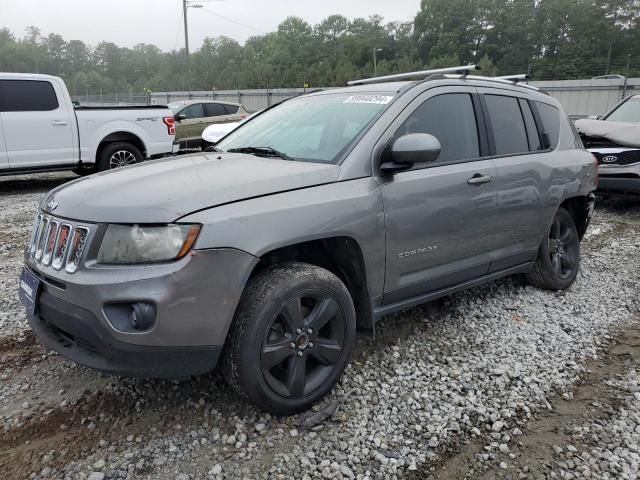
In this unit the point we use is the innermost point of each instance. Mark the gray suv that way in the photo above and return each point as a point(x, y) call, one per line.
point(309, 223)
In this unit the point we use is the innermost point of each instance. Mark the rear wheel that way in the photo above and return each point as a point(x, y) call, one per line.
point(291, 338)
point(118, 154)
point(558, 259)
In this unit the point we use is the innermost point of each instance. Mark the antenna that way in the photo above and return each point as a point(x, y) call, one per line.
point(464, 70)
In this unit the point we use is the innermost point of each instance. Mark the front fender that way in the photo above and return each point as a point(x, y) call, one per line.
point(260, 225)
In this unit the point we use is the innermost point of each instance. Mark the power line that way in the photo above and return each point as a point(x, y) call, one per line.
point(233, 21)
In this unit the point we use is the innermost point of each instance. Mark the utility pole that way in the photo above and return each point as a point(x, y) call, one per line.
point(375, 61)
point(186, 44)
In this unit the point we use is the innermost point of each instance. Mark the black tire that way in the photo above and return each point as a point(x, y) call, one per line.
point(265, 355)
point(558, 259)
point(118, 154)
point(207, 147)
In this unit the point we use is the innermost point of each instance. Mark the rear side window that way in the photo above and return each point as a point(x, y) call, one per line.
point(550, 117)
point(451, 119)
point(27, 96)
point(509, 132)
point(530, 123)
point(231, 109)
point(215, 109)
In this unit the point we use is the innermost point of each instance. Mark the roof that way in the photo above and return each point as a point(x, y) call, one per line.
point(190, 102)
point(27, 76)
point(396, 87)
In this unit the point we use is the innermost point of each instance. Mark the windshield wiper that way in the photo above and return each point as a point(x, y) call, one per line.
point(261, 152)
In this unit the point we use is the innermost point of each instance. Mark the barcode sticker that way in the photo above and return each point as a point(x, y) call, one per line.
point(377, 99)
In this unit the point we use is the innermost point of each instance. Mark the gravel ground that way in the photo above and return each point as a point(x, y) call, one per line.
point(470, 371)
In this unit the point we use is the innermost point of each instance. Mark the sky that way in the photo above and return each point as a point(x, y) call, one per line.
point(159, 22)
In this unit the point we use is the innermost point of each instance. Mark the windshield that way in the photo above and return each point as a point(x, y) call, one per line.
point(314, 129)
point(628, 112)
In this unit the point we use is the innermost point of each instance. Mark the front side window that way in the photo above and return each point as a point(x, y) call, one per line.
point(451, 119)
point(27, 96)
point(193, 111)
point(628, 112)
point(509, 132)
point(316, 128)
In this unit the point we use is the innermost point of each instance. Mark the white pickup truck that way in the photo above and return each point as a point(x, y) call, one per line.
point(41, 129)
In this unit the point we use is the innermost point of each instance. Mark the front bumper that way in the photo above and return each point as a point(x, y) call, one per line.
point(195, 300)
point(76, 334)
point(619, 184)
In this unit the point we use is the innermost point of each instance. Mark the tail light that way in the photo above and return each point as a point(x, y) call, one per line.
point(170, 122)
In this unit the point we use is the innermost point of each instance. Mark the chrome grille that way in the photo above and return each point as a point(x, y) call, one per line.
point(57, 243)
point(52, 234)
point(78, 242)
point(60, 249)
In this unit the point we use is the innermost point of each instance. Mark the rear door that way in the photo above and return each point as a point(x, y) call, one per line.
point(440, 217)
point(217, 113)
point(523, 166)
point(38, 128)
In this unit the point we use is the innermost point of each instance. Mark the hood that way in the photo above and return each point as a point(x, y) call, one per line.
point(162, 191)
point(619, 133)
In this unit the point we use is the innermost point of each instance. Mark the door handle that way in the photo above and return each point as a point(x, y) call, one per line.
point(58, 122)
point(478, 179)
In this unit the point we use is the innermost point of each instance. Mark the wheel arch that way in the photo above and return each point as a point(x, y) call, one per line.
point(341, 255)
point(580, 208)
point(122, 136)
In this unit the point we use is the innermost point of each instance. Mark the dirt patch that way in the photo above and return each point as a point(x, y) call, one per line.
point(17, 352)
point(592, 399)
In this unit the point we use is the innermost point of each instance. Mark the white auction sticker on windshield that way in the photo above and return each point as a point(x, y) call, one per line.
point(377, 99)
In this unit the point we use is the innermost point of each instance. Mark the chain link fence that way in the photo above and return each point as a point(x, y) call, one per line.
point(579, 97)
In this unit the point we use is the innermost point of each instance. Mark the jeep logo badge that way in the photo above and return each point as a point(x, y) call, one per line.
point(609, 158)
point(52, 205)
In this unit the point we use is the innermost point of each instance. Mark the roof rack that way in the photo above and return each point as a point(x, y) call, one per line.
point(515, 78)
point(463, 70)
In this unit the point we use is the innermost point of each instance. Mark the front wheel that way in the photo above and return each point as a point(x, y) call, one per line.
point(291, 337)
point(558, 259)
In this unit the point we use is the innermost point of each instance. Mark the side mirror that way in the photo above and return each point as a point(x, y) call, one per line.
point(179, 117)
point(410, 149)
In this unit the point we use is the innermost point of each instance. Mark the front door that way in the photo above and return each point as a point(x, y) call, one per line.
point(440, 216)
point(38, 129)
point(4, 158)
point(189, 128)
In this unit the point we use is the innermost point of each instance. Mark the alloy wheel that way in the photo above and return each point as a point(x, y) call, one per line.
point(563, 248)
point(303, 344)
point(121, 158)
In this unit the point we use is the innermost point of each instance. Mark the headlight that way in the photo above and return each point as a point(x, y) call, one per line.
point(126, 244)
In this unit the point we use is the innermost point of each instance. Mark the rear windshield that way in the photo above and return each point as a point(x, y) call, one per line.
point(316, 128)
point(628, 112)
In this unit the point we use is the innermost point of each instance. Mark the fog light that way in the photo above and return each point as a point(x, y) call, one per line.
point(131, 316)
point(142, 316)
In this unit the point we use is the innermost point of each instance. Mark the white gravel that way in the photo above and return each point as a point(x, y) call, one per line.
point(477, 364)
